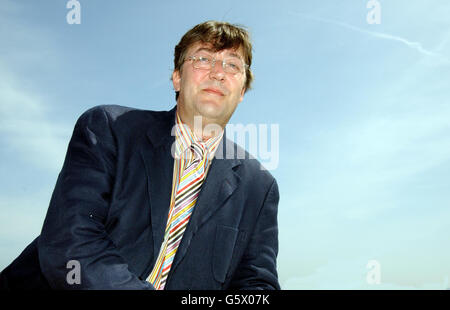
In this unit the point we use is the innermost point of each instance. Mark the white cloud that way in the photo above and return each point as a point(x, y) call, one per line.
point(380, 35)
point(28, 126)
point(27, 129)
point(27, 133)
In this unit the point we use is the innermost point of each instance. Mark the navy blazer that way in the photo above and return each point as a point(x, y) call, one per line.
point(110, 205)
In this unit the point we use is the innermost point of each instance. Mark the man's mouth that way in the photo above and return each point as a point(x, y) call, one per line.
point(214, 91)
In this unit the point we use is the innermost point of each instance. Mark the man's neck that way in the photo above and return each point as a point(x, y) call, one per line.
point(202, 128)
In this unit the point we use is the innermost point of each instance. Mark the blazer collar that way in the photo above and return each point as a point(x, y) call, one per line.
point(158, 161)
point(160, 130)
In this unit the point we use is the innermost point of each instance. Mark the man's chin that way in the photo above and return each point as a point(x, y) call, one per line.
point(210, 110)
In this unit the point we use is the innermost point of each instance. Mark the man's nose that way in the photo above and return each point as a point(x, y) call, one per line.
point(217, 69)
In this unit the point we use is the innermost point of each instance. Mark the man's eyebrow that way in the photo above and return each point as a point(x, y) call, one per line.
point(235, 55)
point(210, 50)
point(206, 49)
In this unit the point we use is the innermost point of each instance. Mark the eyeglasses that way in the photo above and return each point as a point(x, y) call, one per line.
point(230, 65)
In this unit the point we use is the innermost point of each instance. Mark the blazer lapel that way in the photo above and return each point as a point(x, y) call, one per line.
point(220, 183)
point(158, 161)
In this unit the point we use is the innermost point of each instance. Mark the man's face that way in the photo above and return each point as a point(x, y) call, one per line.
point(211, 93)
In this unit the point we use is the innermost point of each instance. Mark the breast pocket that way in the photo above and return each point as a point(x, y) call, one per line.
point(223, 251)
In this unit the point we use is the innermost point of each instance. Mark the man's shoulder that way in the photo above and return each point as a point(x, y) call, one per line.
point(123, 120)
point(123, 123)
point(124, 113)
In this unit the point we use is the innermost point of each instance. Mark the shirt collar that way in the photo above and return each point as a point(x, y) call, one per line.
point(184, 138)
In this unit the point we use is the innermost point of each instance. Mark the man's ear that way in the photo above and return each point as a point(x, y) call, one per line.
point(176, 80)
point(242, 94)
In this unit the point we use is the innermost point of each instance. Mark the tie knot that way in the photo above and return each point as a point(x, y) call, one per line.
point(198, 150)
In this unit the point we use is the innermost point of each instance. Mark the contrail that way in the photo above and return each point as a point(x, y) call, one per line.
point(414, 45)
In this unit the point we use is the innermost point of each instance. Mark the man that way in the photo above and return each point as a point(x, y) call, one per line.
point(159, 200)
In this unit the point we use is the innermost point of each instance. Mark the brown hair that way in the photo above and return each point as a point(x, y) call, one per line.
point(221, 35)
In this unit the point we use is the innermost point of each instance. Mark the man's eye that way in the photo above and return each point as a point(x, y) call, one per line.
point(234, 65)
point(204, 59)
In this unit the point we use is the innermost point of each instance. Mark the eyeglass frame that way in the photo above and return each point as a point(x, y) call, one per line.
point(213, 64)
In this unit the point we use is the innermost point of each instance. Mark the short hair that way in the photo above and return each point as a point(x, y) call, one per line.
point(221, 35)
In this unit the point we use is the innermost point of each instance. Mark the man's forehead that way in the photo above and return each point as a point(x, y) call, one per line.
point(208, 47)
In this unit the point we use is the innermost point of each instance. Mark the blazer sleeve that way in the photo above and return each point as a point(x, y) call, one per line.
point(257, 269)
point(74, 227)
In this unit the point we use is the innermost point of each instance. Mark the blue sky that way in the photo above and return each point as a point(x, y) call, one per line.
point(363, 112)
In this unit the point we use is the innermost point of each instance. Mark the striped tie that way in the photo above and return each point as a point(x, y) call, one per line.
point(186, 196)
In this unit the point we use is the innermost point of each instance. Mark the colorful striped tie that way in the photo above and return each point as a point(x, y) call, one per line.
point(186, 196)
